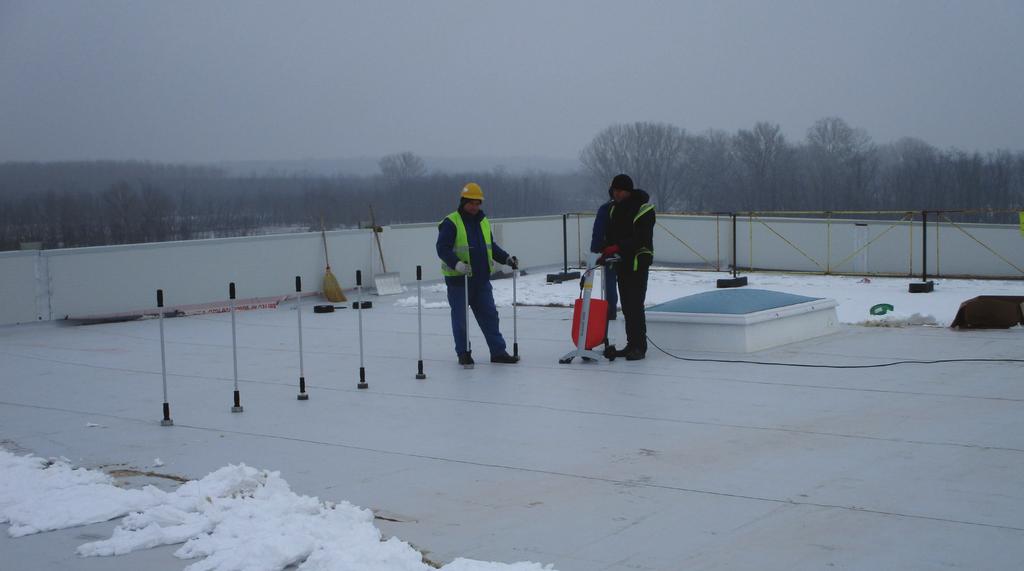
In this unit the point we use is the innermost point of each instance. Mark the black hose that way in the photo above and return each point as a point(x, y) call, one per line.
point(813, 366)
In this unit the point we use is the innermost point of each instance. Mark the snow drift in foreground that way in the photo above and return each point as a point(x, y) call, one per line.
point(44, 495)
point(235, 518)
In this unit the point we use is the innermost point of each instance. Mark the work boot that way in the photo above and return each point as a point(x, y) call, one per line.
point(504, 358)
point(635, 354)
point(616, 353)
point(466, 358)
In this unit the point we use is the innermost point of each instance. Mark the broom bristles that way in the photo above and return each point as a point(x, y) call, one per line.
point(332, 290)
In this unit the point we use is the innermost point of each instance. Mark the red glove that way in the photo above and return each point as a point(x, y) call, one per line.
point(608, 252)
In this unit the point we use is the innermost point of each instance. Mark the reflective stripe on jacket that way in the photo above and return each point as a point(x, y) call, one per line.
point(644, 209)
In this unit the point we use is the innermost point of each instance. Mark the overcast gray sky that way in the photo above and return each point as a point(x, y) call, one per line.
point(231, 80)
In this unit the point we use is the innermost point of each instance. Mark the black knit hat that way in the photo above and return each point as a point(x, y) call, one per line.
point(622, 182)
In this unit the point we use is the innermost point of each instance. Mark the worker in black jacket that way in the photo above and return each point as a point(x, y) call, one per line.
point(630, 235)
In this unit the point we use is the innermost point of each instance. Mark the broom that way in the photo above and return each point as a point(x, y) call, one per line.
point(332, 290)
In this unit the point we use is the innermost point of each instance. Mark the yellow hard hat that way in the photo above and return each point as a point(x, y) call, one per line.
point(472, 191)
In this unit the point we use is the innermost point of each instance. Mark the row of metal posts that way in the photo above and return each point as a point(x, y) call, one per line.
point(303, 395)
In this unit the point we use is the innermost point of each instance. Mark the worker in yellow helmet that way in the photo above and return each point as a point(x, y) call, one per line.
point(467, 248)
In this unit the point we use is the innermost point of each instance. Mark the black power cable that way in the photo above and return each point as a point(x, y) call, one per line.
point(812, 366)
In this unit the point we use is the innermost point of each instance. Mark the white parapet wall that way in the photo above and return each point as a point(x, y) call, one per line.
point(79, 282)
point(54, 284)
point(18, 287)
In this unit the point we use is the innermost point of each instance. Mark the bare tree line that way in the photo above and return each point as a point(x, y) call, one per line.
point(154, 207)
point(836, 167)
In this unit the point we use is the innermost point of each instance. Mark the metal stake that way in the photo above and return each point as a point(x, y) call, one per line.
point(234, 348)
point(163, 359)
point(515, 323)
point(419, 321)
point(298, 309)
point(359, 301)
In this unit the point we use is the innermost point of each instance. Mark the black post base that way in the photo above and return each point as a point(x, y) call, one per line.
point(238, 403)
point(167, 416)
point(362, 379)
point(922, 287)
point(732, 282)
point(419, 370)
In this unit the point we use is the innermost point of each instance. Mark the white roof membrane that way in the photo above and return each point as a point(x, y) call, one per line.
point(653, 464)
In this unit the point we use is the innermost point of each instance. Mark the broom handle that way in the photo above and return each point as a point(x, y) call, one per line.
point(323, 234)
point(373, 222)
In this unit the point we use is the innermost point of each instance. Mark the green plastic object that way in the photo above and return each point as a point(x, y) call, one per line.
point(880, 309)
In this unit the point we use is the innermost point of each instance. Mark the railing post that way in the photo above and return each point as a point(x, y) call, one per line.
point(925, 286)
point(735, 261)
point(564, 275)
point(734, 281)
point(828, 243)
point(565, 243)
point(750, 231)
point(924, 245)
point(718, 243)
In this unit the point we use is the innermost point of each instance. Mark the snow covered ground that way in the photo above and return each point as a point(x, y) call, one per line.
point(856, 295)
point(658, 464)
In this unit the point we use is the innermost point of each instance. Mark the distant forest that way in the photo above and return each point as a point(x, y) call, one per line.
point(835, 168)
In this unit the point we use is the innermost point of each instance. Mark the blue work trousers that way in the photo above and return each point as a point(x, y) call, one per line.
point(610, 293)
point(481, 300)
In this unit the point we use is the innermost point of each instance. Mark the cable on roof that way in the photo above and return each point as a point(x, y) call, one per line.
point(814, 366)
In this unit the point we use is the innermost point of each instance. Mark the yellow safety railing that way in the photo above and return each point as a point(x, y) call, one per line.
point(975, 238)
point(829, 217)
point(906, 217)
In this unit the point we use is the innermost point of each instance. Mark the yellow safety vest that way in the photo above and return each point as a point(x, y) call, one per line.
point(643, 210)
point(462, 243)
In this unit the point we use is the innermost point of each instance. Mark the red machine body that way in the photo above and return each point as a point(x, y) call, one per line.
point(597, 322)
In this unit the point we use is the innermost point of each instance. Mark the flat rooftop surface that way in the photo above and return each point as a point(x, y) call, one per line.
point(657, 464)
